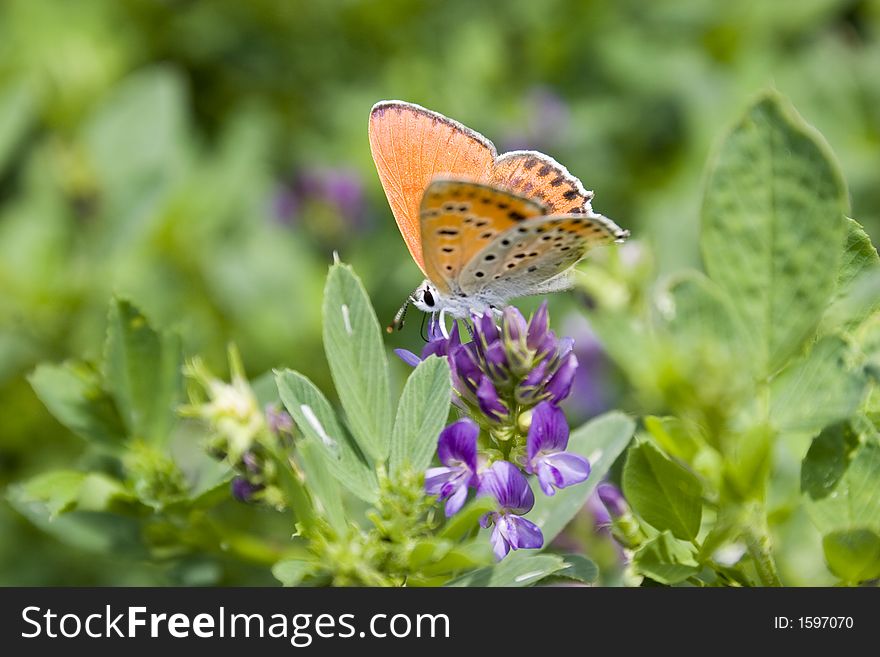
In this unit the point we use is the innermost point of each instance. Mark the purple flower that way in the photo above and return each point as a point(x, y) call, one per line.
point(243, 490)
point(545, 445)
point(437, 345)
point(510, 488)
point(279, 420)
point(612, 499)
point(457, 450)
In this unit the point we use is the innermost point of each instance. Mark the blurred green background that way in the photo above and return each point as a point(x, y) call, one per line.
point(205, 159)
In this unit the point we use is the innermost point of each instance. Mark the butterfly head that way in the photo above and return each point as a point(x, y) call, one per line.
point(425, 297)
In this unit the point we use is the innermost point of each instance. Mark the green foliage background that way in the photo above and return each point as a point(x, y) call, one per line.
point(143, 145)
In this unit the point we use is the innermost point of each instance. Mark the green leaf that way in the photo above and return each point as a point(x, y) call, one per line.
point(513, 571)
point(353, 343)
point(578, 567)
point(323, 486)
point(601, 440)
point(675, 436)
point(839, 478)
point(291, 572)
point(421, 414)
point(818, 390)
point(664, 493)
point(142, 370)
point(462, 557)
point(773, 227)
point(62, 491)
point(466, 520)
point(854, 555)
point(73, 394)
point(315, 418)
point(666, 560)
point(859, 254)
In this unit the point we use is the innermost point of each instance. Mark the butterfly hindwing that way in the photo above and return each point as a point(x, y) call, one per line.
point(412, 146)
point(541, 178)
point(459, 219)
point(523, 257)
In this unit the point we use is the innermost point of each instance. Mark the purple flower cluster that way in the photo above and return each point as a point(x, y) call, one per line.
point(509, 379)
point(507, 369)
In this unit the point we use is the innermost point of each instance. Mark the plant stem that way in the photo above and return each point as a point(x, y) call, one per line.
point(757, 536)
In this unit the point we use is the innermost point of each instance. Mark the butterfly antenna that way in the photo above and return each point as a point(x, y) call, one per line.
point(399, 317)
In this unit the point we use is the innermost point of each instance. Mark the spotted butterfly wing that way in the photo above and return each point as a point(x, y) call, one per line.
point(541, 178)
point(521, 260)
point(413, 146)
point(459, 219)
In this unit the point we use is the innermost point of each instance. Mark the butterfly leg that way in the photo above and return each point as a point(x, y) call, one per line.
point(442, 320)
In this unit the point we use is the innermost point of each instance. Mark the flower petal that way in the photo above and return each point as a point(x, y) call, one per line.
point(548, 430)
point(437, 478)
point(486, 328)
point(490, 403)
point(456, 501)
point(457, 444)
point(612, 498)
point(538, 325)
point(513, 324)
point(507, 484)
point(560, 470)
point(500, 546)
point(527, 389)
point(525, 534)
point(408, 357)
point(559, 385)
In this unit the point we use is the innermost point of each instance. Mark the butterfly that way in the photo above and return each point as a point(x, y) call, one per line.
point(483, 228)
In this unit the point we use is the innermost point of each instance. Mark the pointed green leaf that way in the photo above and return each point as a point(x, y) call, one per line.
point(818, 390)
point(73, 394)
point(142, 370)
point(421, 414)
point(601, 440)
point(315, 418)
point(773, 227)
point(664, 493)
point(356, 354)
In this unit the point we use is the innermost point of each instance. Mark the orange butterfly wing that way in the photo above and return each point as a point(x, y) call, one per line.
point(541, 178)
point(459, 219)
point(412, 146)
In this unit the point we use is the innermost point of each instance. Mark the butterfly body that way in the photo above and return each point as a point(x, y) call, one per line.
point(483, 228)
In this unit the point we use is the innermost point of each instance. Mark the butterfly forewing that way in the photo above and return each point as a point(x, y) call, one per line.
point(524, 256)
point(412, 146)
point(459, 219)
